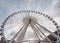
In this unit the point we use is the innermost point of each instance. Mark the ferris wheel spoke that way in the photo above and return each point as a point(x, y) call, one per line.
point(43, 34)
point(22, 31)
point(35, 30)
point(49, 31)
point(17, 34)
point(10, 26)
point(18, 19)
point(22, 34)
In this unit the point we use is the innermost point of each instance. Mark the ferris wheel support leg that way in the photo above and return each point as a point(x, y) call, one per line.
point(42, 33)
point(22, 34)
point(49, 31)
point(35, 30)
point(45, 35)
point(16, 34)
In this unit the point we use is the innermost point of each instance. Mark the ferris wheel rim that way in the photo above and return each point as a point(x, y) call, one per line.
point(51, 19)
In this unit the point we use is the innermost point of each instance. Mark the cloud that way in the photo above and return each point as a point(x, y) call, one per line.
point(10, 6)
point(54, 11)
point(51, 7)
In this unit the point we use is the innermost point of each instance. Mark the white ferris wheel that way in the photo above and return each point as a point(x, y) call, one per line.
point(19, 26)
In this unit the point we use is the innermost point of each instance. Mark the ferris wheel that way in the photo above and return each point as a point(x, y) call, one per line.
point(15, 26)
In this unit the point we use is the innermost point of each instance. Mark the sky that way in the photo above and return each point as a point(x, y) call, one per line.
point(49, 7)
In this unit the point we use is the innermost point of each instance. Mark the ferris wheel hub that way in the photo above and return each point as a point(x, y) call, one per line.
point(29, 19)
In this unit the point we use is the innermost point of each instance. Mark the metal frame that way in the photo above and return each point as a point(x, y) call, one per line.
point(40, 13)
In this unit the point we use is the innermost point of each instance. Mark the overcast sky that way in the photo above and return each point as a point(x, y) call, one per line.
point(50, 7)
